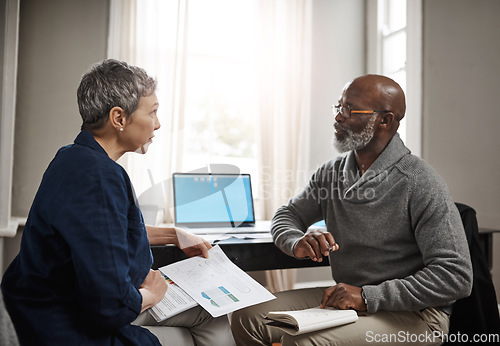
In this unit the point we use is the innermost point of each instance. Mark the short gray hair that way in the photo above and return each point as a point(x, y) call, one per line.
point(111, 83)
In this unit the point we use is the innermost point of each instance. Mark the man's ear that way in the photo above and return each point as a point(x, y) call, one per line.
point(117, 118)
point(387, 119)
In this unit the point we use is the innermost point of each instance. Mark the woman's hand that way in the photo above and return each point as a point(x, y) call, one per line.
point(191, 244)
point(152, 289)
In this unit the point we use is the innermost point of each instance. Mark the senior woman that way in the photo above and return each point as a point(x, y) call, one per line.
point(82, 275)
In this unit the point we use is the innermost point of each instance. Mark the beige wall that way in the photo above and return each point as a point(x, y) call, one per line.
point(331, 70)
point(3, 4)
point(461, 90)
point(58, 40)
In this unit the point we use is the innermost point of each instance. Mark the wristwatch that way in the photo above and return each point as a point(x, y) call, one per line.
point(364, 298)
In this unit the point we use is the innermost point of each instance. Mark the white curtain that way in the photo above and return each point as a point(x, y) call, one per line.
point(153, 35)
point(284, 109)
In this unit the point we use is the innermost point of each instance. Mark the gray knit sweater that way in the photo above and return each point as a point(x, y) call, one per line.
point(400, 235)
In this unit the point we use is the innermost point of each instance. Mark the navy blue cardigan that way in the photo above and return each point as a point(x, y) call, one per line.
point(84, 253)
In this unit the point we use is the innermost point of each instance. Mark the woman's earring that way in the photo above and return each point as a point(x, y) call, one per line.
point(121, 129)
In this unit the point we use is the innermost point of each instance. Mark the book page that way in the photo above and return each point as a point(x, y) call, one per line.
point(175, 301)
point(216, 283)
point(312, 319)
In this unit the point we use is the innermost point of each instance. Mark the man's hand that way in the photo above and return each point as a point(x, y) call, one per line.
point(315, 244)
point(343, 296)
point(191, 244)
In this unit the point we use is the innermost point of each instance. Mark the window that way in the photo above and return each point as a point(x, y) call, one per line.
point(394, 41)
point(234, 89)
point(220, 119)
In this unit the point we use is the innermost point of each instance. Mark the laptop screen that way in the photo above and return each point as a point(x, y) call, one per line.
point(208, 200)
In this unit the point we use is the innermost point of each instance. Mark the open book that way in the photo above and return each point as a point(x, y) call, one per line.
point(310, 320)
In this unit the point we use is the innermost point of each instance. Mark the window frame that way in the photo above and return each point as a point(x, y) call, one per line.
point(375, 59)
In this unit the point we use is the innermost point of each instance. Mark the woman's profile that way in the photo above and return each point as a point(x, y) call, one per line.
point(83, 275)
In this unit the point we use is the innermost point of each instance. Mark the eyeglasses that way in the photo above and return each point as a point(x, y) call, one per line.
point(346, 112)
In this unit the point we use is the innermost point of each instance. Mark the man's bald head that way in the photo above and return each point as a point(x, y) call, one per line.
point(381, 92)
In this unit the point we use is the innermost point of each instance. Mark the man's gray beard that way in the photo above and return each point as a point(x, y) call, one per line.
point(355, 141)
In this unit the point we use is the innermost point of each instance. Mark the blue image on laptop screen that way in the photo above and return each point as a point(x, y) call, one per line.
point(213, 199)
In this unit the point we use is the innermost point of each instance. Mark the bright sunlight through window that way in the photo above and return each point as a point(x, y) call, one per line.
point(393, 45)
point(220, 118)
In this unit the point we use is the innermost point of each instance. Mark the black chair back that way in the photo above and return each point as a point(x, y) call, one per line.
point(477, 313)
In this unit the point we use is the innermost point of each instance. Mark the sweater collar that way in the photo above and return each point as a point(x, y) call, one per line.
point(392, 153)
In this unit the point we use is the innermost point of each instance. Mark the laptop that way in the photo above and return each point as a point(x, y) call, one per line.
point(209, 203)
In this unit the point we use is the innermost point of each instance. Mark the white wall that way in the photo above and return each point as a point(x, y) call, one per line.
point(338, 56)
point(461, 89)
point(460, 104)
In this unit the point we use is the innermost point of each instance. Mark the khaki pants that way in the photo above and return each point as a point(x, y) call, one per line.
point(205, 330)
point(383, 328)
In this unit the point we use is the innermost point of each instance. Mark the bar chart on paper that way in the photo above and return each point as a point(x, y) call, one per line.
point(216, 283)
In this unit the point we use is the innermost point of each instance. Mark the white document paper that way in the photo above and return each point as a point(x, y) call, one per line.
point(216, 283)
point(175, 301)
